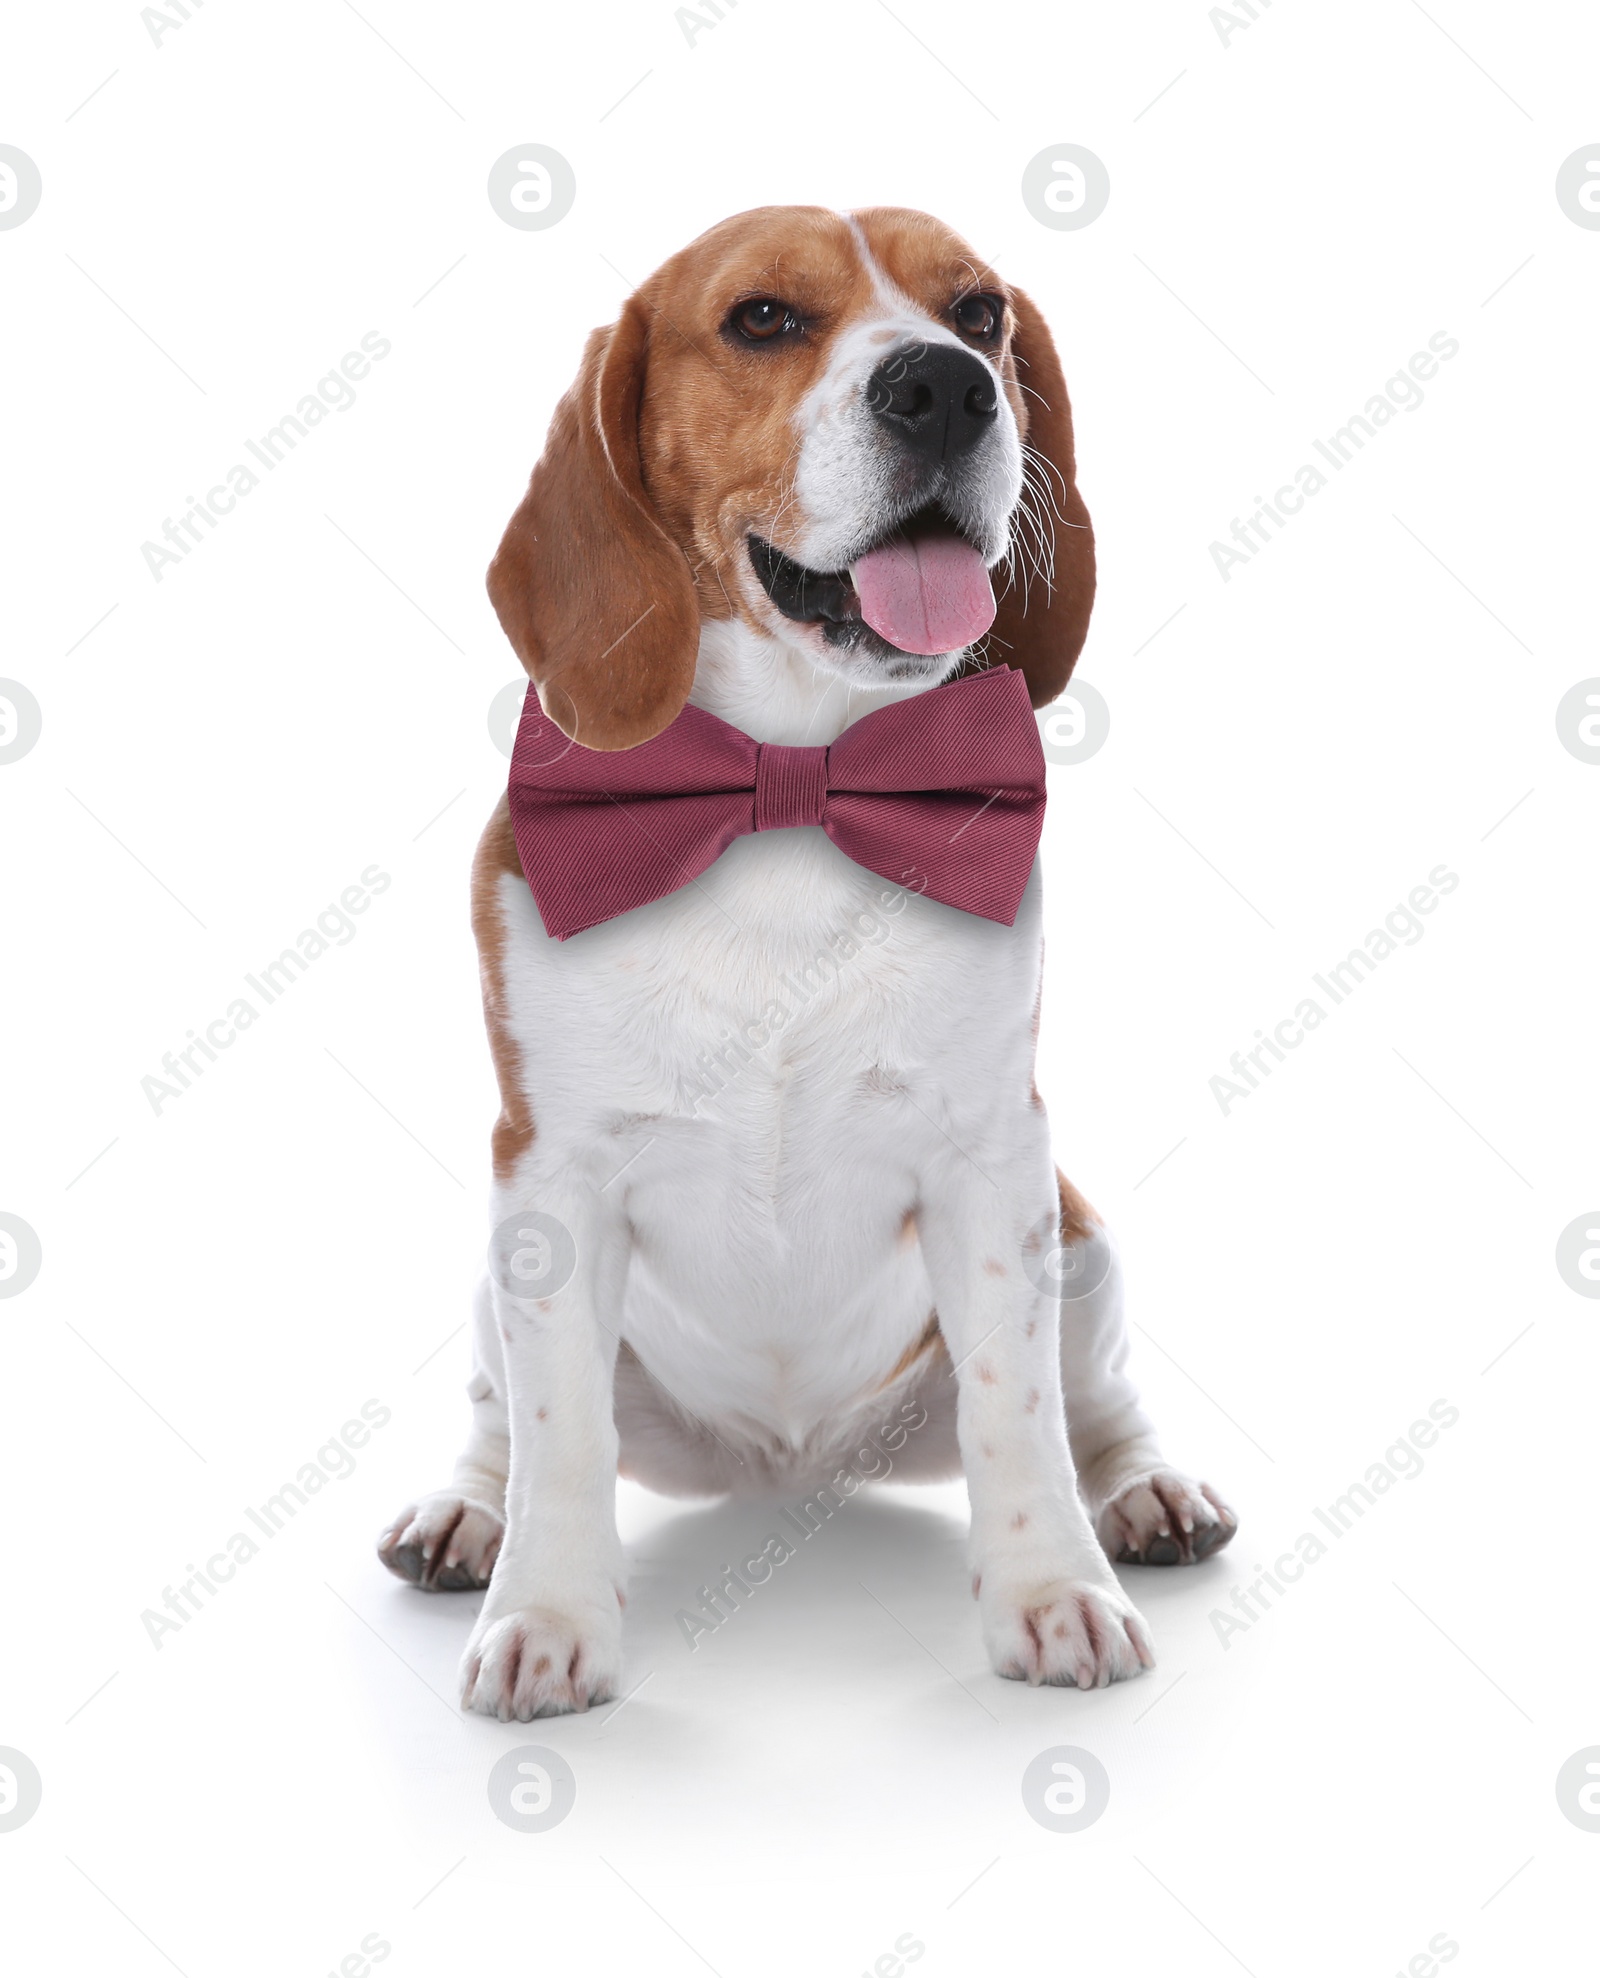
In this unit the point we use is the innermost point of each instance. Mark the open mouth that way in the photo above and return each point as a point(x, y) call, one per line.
point(922, 589)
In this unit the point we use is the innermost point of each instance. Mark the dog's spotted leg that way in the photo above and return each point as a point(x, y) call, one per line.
point(1145, 1512)
point(549, 1637)
point(1050, 1606)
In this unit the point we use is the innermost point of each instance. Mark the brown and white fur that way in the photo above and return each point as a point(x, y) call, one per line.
point(806, 1200)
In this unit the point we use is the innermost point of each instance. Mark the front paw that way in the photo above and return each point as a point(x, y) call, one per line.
point(543, 1661)
point(1063, 1631)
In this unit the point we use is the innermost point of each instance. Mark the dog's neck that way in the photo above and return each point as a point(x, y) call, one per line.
point(775, 692)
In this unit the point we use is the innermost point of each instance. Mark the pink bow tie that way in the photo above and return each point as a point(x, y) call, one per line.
point(942, 794)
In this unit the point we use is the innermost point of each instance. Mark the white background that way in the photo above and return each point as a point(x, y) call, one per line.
point(1372, 1762)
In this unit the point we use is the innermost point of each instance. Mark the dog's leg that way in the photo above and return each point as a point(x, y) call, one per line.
point(549, 1637)
point(1051, 1608)
point(1144, 1511)
point(448, 1540)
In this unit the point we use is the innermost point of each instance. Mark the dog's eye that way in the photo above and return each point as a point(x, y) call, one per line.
point(763, 318)
point(979, 317)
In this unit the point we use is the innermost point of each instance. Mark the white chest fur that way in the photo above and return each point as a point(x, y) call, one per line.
point(755, 1071)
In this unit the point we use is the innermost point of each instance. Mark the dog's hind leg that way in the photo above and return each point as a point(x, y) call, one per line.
point(1144, 1511)
point(448, 1541)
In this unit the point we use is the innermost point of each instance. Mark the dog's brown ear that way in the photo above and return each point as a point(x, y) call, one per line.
point(597, 600)
point(1045, 587)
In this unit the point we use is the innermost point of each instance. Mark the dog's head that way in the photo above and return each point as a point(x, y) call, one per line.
point(846, 431)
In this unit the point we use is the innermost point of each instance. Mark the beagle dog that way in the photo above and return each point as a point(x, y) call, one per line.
point(773, 1184)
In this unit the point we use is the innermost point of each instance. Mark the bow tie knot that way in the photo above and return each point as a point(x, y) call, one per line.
point(791, 786)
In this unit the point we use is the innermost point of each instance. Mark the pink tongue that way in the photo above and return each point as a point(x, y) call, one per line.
point(927, 596)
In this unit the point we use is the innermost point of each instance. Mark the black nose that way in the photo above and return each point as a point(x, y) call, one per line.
point(938, 401)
